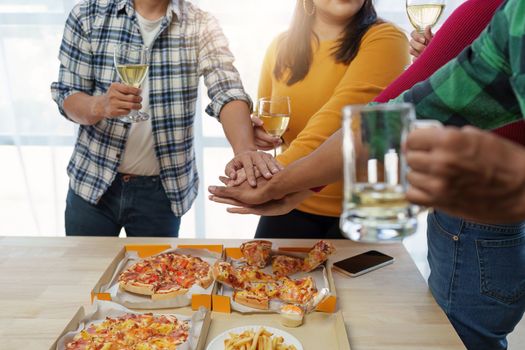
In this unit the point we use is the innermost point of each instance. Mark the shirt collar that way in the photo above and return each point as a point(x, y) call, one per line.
point(127, 5)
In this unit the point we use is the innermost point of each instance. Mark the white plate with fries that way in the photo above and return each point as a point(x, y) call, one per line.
point(255, 338)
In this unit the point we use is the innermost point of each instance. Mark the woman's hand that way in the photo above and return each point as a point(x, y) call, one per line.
point(272, 208)
point(419, 42)
point(263, 140)
point(251, 165)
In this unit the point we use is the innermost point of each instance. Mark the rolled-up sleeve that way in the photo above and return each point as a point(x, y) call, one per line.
point(216, 66)
point(76, 61)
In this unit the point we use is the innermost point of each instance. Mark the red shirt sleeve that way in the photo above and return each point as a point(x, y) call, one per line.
point(460, 29)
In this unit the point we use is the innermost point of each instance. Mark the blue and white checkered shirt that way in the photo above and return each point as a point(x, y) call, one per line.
point(190, 44)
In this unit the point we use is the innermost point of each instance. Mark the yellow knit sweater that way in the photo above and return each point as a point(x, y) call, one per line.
point(317, 100)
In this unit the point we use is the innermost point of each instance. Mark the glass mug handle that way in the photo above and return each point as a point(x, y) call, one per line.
point(425, 124)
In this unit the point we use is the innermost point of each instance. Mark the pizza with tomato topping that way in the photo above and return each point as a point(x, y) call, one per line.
point(318, 255)
point(283, 265)
point(166, 275)
point(254, 274)
point(226, 274)
point(256, 295)
point(256, 253)
point(296, 291)
point(133, 331)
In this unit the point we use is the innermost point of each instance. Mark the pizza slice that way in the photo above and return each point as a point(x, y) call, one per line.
point(256, 295)
point(254, 274)
point(318, 255)
point(201, 270)
point(251, 299)
point(296, 291)
point(226, 274)
point(139, 278)
point(283, 265)
point(256, 253)
point(168, 290)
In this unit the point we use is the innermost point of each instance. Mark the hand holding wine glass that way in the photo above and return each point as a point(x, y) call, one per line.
point(424, 13)
point(132, 64)
point(275, 113)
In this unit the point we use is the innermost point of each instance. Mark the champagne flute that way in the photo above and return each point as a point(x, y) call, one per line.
point(132, 64)
point(424, 13)
point(275, 113)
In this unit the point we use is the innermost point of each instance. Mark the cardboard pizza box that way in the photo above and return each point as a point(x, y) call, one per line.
point(319, 331)
point(99, 291)
point(223, 303)
point(81, 313)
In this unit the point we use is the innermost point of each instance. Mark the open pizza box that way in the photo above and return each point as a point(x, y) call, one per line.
point(199, 323)
point(107, 286)
point(319, 331)
point(223, 301)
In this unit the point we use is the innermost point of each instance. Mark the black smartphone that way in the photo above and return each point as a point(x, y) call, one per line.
point(363, 263)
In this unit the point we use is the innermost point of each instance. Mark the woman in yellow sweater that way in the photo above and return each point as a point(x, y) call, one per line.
point(335, 53)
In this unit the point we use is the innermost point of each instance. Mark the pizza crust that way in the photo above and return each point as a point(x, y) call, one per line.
point(169, 295)
point(206, 281)
point(251, 301)
point(137, 288)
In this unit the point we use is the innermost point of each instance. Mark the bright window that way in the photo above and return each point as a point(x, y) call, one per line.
point(36, 142)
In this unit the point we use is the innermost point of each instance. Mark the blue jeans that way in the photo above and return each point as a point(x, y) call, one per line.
point(478, 277)
point(137, 203)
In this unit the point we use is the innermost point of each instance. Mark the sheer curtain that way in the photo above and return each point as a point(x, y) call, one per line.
point(36, 142)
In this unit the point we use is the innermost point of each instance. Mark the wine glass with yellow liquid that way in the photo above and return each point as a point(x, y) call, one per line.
point(275, 114)
point(132, 64)
point(424, 13)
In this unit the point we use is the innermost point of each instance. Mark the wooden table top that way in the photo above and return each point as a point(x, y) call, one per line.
point(45, 280)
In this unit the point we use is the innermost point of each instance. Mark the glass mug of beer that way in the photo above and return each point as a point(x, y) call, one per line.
point(375, 208)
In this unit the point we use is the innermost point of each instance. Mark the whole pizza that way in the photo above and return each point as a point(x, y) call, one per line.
point(166, 275)
point(132, 331)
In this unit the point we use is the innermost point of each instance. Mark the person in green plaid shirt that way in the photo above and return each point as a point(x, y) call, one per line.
point(477, 263)
point(143, 176)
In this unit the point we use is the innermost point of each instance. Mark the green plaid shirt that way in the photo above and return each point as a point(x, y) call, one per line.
point(485, 85)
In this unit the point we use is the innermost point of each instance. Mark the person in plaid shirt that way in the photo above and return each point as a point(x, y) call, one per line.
point(143, 176)
point(476, 259)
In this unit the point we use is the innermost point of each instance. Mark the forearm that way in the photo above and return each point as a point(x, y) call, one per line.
point(83, 108)
point(322, 167)
point(237, 126)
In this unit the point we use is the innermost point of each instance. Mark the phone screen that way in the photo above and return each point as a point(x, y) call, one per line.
point(358, 263)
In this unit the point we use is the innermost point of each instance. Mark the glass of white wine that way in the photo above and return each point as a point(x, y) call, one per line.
point(424, 13)
point(275, 114)
point(375, 208)
point(132, 64)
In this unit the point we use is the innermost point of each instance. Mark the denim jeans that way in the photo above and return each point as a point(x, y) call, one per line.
point(137, 203)
point(477, 277)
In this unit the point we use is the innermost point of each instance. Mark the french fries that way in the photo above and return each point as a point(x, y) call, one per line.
point(262, 339)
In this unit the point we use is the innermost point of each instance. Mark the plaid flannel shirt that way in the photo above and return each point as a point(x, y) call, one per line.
point(190, 44)
point(485, 85)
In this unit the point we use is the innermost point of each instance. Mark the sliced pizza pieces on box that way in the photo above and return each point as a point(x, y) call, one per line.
point(132, 279)
point(320, 278)
point(111, 322)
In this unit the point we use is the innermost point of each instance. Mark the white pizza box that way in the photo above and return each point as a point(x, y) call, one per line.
point(223, 297)
point(107, 286)
point(320, 330)
point(200, 321)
